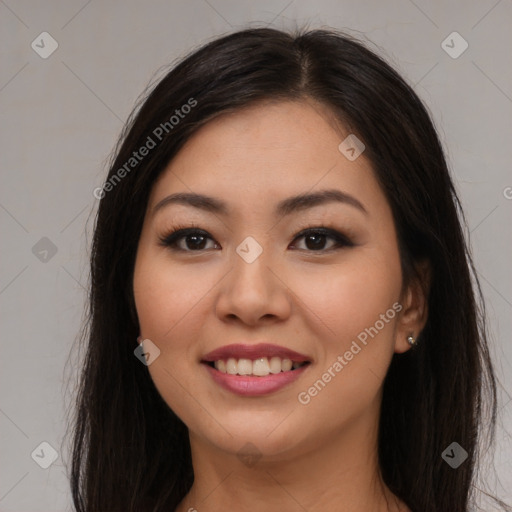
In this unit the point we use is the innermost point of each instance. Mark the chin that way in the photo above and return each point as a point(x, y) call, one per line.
point(269, 438)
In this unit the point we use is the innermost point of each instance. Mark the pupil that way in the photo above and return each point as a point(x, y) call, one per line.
point(198, 243)
point(319, 241)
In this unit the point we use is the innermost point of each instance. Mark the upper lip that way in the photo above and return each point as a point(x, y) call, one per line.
point(241, 351)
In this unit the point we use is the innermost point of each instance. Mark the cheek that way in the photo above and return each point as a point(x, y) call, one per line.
point(358, 302)
point(171, 310)
point(167, 297)
point(348, 297)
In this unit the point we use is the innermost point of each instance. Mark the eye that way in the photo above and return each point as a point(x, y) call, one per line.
point(315, 239)
point(187, 239)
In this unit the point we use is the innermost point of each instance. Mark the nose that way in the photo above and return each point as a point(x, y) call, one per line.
point(253, 293)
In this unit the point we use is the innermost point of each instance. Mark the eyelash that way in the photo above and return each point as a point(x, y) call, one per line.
point(179, 232)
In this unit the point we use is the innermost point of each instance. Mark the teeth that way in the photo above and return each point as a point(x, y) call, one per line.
point(244, 367)
point(286, 365)
point(275, 365)
point(259, 367)
point(231, 366)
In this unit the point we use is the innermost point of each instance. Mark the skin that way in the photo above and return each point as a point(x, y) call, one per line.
point(317, 457)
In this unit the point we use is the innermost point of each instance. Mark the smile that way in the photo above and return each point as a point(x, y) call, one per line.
point(254, 369)
point(260, 367)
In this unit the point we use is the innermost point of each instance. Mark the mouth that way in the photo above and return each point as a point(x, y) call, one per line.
point(255, 369)
point(260, 367)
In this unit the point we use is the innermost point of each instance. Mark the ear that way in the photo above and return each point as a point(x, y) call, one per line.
point(413, 316)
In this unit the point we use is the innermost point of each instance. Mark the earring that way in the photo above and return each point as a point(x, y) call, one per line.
point(411, 340)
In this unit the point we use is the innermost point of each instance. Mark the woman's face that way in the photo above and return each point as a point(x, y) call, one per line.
point(248, 278)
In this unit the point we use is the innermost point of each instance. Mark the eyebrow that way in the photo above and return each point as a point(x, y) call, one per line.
point(288, 206)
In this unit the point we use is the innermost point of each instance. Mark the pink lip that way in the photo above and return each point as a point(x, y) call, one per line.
point(239, 351)
point(255, 386)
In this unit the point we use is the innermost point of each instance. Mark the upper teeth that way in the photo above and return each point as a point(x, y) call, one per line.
point(259, 367)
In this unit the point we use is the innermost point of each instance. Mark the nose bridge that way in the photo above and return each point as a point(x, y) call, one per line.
point(252, 290)
point(252, 262)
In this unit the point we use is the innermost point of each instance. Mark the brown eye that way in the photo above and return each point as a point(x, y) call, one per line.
point(316, 238)
point(188, 240)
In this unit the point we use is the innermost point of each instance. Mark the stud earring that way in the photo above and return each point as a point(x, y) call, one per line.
point(411, 340)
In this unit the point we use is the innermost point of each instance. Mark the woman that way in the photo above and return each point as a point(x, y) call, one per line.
point(281, 310)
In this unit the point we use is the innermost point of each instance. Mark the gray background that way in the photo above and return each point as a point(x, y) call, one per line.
point(61, 117)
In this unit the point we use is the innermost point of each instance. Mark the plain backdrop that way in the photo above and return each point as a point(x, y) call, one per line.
point(62, 114)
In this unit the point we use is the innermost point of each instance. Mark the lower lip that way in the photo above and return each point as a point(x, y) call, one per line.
point(255, 386)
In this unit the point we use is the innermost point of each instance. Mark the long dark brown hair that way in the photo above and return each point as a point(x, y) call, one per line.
point(130, 452)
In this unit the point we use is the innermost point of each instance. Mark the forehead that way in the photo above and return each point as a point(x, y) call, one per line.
point(265, 152)
point(272, 132)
